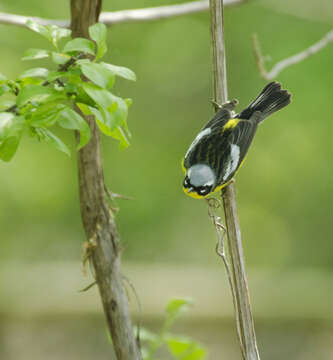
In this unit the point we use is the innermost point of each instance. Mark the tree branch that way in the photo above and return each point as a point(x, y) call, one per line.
point(124, 16)
point(292, 60)
point(20, 20)
point(239, 285)
point(103, 243)
point(159, 12)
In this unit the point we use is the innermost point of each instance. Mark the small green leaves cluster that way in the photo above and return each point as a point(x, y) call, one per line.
point(80, 85)
point(179, 347)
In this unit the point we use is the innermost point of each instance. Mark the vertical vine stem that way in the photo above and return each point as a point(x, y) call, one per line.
point(239, 284)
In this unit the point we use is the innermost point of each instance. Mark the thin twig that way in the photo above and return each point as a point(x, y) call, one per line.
point(159, 12)
point(88, 287)
point(124, 16)
point(137, 298)
point(112, 195)
point(258, 55)
point(213, 205)
point(292, 60)
point(20, 20)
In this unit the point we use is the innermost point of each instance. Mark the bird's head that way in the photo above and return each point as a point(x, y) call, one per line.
point(199, 181)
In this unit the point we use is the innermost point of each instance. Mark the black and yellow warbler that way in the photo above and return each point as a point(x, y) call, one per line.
point(220, 147)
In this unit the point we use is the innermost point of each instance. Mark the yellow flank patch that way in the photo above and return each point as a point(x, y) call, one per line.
point(231, 124)
point(220, 187)
point(183, 166)
point(241, 164)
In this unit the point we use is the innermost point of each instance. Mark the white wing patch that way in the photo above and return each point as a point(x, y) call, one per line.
point(233, 163)
point(201, 134)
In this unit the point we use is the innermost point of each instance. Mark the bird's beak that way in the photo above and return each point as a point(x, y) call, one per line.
point(190, 189)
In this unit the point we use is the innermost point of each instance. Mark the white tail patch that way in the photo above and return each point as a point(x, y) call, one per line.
point(233, 162)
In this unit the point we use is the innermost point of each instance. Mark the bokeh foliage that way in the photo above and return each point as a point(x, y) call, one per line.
point(284, 189)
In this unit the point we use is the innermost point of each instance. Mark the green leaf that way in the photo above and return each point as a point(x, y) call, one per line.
point(82, 61)
point(120, 135)
point(119, 113)
point(45, 115)
point(117, 133)
point(70, 119)
point(53, 75)
point(11, 128)
point(33, 54)
point(80, 44)
point(52, 33)
point(35, 72)
point(120, 71)
point(185, 349)
point(85, 109)
point(115, 115)
point(98, 33)
point(59, 58)
point(101, 97)
point(6, 123)
point(40, 29)
point(101, 121)
point(98, 74)
point(146, 335)
point(177, 306)
point(8, 147)
point(71, 89)
point(37, 93)
point(57, 33)
point(10, 125)
point(50, 138)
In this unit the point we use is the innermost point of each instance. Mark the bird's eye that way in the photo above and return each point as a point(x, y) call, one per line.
point(204, 190)
point(186, 182)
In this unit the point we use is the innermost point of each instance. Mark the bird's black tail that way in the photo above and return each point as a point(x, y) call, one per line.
point(271, 99)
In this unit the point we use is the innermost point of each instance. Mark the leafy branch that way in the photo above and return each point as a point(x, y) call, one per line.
point(40, 98)
point(179, 347)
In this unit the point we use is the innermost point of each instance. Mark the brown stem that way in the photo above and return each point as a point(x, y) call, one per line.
point(103, 247)
point(243, 305)
point(239, 285)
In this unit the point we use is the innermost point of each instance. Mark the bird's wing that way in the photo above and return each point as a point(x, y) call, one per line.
point(207, 141)
point(242, 136)
point(239, 142)
point(219, 119)
point(207, 148)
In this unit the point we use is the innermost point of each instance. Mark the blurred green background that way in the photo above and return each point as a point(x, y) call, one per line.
point(284, 191)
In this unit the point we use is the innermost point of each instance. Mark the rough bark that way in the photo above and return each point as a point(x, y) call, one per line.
point(245, 325)
point(103, 246)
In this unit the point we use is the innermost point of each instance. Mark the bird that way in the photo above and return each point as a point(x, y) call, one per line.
point(219, 149)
